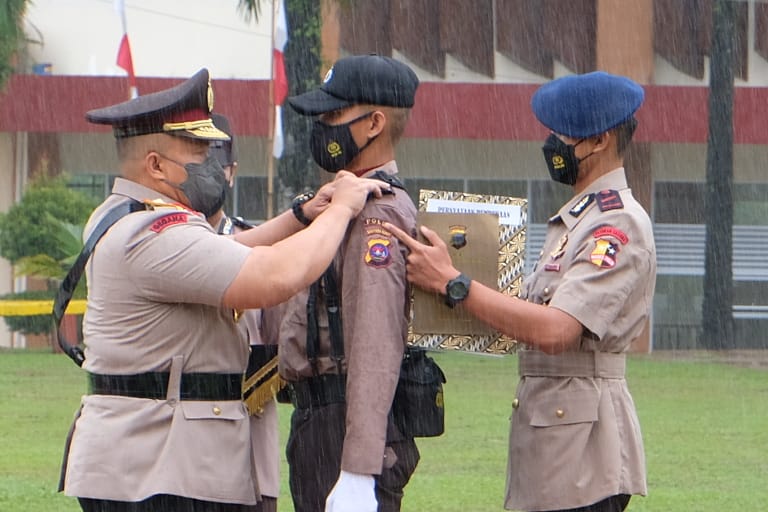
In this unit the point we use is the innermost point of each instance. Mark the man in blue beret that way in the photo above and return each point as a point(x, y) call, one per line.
point(575, 442)
point(163, 425)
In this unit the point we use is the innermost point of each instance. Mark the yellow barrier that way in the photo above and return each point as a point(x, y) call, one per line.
point(37, 307)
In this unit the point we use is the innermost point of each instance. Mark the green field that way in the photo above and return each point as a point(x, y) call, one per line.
point(705, 427)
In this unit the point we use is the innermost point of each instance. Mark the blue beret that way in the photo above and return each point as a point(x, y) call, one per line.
point(585, 105)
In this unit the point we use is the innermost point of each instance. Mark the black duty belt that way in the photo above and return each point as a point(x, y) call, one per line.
point(318, 391)
point(154, 385)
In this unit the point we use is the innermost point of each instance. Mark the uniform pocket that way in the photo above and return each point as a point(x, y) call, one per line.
point(228, 410)
point(566, 408)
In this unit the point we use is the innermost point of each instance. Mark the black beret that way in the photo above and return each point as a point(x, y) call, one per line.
point(182, 110)
point(223, 150)
point(585, 105)
point(360, 79)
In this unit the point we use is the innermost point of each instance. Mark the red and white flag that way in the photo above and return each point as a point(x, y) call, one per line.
point(124, 57)
point(279, 78)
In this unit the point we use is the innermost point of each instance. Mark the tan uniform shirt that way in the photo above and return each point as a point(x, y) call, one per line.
point(576, 440)
point(375, 314)
point(265, 437)
point(155, 283)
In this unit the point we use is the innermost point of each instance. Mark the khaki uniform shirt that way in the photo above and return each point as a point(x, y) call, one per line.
point(265, 438)
point(576, 440)
point(155, 283)
point(375, 314)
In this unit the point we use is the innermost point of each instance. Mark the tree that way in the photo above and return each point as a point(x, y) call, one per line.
point(12, 36)
point(296, 169)
point(29, 227)
point(42, 236)
point(717, 307)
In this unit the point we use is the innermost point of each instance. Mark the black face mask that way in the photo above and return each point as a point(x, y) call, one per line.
point(333, 146)
point(561, 159)
point(205, 186)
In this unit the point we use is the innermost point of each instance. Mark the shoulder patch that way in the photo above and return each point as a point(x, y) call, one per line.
point(611, 231)
point(169, 220)
point(378, 243)
point(609, 200)
point(605, 253)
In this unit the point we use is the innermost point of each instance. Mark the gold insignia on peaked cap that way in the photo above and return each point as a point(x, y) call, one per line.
point(183, 110)
point(210, 96)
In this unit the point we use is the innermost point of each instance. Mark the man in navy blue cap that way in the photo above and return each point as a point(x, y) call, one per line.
point(345, 453)
point(575, 442)
point(164, 426)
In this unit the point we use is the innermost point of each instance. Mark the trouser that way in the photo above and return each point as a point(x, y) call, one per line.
point(615, 503)
point(265, 505)
point(314, 460)
point(163, 502)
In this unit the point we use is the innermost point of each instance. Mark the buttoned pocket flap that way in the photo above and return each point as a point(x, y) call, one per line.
point(566, 408)
point(227, 410)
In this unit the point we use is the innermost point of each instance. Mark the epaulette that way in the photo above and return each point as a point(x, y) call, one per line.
point(393, 180)
point(154, 204)
point(609, 200)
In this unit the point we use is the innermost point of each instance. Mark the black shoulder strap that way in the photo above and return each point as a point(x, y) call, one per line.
point(68, 285)
point(241, 223)
point(335, 327)
point(388, 178)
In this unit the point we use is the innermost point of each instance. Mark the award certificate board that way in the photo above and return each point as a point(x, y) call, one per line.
point(485, 235)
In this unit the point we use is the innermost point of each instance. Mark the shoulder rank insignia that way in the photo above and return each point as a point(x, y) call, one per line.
point(609, 200)
point(579, 207)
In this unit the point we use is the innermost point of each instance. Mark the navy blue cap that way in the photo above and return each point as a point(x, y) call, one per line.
point(223, 150)
point(183, 110)
point(581, 106)
point(360, 79)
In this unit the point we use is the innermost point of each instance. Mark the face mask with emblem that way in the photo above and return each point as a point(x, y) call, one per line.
point(561, 159)
point(205, 186)
point(333, 146)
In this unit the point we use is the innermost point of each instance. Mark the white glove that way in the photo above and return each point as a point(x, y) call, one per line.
point(353, 492)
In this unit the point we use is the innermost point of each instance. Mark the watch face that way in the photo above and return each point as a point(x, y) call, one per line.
point(458, 290)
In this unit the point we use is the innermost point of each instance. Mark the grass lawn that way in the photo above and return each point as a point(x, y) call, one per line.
point(705, 427)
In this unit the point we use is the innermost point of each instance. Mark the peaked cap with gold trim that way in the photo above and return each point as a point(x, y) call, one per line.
point(183, 110)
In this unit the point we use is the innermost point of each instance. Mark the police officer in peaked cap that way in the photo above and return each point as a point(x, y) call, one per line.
point(575, 441)
point(163, 426)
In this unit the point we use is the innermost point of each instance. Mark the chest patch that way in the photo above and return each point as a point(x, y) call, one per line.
point(605, 253)
point(378, 244)
point(169, 220)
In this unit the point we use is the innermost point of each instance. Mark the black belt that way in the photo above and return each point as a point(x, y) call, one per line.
point(154, 385)
point(318, 391)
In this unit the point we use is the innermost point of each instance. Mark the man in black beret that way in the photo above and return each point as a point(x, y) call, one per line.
point(342, 340)
point(163, 426)
point(575, 441)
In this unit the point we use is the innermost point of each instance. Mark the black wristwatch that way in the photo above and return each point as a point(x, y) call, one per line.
point(298, 203)
point(457, 290)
